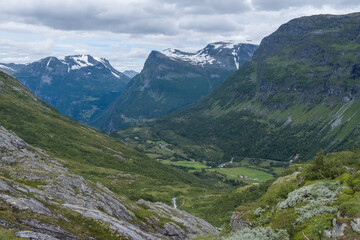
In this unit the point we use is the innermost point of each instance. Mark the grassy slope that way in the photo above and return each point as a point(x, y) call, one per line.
point(101, 158)
point(332, 169)
point(234, 173)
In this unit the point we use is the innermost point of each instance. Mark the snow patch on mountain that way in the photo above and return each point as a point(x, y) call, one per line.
point(213, 53)
point(48, 63)
point(198, 58)
point(229, 44)
point(235, 54)
point(6, 67)
point(81, 61)
point(102, 60)
point(78, 61)
point(115, 75)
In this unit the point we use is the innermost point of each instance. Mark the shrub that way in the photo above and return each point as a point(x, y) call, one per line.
point(322, 167)
point(323, 192)
point(314, 208)
point(259, 233)
point(319, 196)
point(259, 211)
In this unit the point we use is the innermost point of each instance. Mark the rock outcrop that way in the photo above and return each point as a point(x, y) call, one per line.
point(238, 222)
point(355, 225)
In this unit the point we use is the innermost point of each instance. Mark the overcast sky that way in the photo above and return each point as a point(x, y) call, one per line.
point(125, 31)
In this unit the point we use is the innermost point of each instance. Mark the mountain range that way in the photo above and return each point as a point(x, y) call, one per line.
point(78, 86)
point(298, 94)
point(172, 80)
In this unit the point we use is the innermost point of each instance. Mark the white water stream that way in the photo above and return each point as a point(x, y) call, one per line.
point(174, 202)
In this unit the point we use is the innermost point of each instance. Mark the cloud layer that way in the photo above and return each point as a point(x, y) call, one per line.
point(125, 31)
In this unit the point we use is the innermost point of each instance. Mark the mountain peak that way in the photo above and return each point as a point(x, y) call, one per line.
point(216, 53)
point(76, 62)
point(198, 58)
point(224, 44)
point(79, 61)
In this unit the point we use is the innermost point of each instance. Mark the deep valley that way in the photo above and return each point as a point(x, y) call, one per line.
point(235, 141)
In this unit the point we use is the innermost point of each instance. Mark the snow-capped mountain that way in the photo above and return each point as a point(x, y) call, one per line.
point(77, 62)
point(172, 80)
point(199, 58)
point(77, 86)
point(218, 53)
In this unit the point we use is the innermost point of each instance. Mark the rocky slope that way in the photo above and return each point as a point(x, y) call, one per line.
point(300, 93)
point(172, 80)
point(77, 86)
point(42, 199)
point(101, 159)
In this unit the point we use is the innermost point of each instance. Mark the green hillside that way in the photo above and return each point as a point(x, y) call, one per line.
point(100, 158)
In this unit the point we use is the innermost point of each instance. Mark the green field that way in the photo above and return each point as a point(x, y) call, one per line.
point(236, 173)
point(188, 164)
point(233, 173)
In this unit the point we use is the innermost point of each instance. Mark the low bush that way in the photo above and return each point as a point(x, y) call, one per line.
point(322, 192)
point(259, 233)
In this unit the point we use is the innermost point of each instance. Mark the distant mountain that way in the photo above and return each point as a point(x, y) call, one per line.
point(130, 73)
point(172, 80)
point(300, 93)
point(77, 86)
point(11, 68)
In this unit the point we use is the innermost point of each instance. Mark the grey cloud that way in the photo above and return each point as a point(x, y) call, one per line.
point(277, 5)
point(130, 17)
point(211, 6)
point(124, 31)
point(217, 24)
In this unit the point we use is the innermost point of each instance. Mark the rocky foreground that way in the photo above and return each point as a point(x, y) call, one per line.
point(42, 199)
